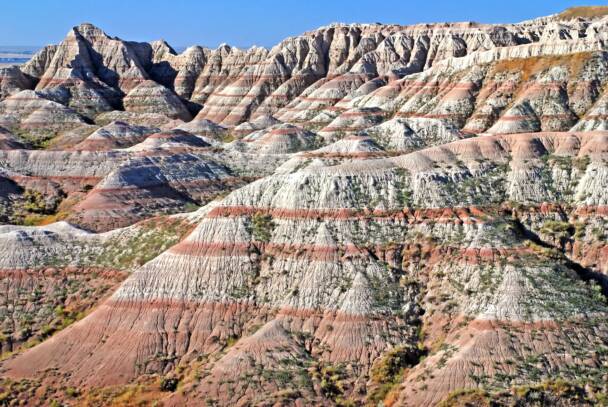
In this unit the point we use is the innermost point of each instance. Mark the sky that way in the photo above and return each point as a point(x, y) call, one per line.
point(242, 23)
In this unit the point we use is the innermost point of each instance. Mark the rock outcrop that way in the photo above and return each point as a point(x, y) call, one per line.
point(151, 185)
point(151, 97)
point(115, 135)
point(170, 140)
point(298, 79)
point(205, 128)
point(277, 139)
point(8, 141)
point(329, 262)
point(43, 118)
point(12, 80)
point(372, 215)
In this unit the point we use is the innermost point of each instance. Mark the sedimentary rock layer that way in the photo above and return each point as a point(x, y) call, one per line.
point(393, 215)
point(327, 266)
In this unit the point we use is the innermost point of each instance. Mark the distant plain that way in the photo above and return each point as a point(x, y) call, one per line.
point(16, 55)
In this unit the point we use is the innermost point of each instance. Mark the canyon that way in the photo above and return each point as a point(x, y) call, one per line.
point(362, 215)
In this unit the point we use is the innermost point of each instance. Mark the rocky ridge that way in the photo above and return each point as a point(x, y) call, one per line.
point(389, 215)
point(296, 254)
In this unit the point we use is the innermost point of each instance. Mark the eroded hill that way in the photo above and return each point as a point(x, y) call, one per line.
point(377, 215)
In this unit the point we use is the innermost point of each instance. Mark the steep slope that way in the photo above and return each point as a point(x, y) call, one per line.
point(260, 123)
point(8, 141)
point(345, 150)
point(53, 275)
point(205, 128)
point(151, 97)
point(35, 115)
point(536, 93)
point(277, 139)
point(92, 72)
point(149, 185)
point(115, 135)
point(327, 269)
point(12, 80)
point(424, 222)
point(409, 134)
point(107, 65)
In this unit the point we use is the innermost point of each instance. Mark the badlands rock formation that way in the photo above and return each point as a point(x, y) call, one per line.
point(41, 118)
point(329, 268)
point(152, 97)
point(115, 135)
point(13, 80)
point(278, 139)
point(364, 214)
point(8, 141)
point(205, 128)
point(320, 73)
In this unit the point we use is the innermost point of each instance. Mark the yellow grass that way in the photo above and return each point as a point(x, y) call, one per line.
point(533, 65)
point(583, 12)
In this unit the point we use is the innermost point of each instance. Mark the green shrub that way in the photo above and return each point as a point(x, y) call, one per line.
point(168, 384)
point(34, 201)
point(262, 227)
point(387, 372)
point(556, 228)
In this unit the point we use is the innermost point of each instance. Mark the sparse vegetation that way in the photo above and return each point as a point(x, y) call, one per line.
point(37, 141)
point(152, 237)
point(377, 260)
point(528, 67)
point(583, 12)
point(331, 381)
point(31, 208)
point(262, 227)
point(557, 229)
point(49, 306)
point(387, 372)
point(553, 392)
point(168, 384)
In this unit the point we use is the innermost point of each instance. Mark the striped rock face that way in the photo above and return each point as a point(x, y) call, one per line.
point(278, 139)
point(325, 69)
point(12, 80)
point(364, 214)
point(115, 135)
point(41, 117)
point(152, 184)
point(204, 128)
point(53, 275)
point(331, 267)
point(151, 97)
point(260, 123)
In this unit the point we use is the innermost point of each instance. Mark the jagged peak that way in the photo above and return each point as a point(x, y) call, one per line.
point(193, 49)
point(255, 47)
point(162, 47)
point(89, 31)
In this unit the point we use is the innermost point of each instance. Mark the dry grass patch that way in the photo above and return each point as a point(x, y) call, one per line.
point(534, 65)
point(583, 12)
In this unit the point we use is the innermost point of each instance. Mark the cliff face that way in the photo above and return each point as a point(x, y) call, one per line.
point(310, 71)
point(324, 267)
point(476, 72)
point(389, 215)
